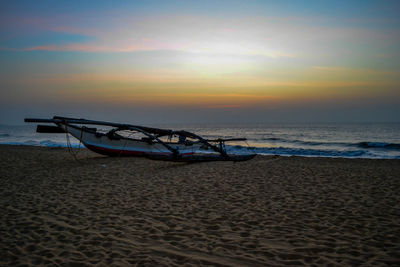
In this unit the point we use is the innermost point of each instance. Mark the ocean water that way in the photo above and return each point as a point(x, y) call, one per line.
point(317, 140)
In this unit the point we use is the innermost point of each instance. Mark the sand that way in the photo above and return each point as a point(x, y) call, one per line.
point(270, 211)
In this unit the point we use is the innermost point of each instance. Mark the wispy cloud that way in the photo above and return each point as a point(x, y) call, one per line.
point(193, 34)
point(223, 106)
point(68, 47)
point(270, 37)
point(359, 72)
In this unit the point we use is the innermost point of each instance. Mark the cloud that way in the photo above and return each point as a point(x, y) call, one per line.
point(262, 36)
point(223, 106)
point(157, 46)
point(242, 36)
point(144, 44)
point(68, 47)
point(193, 34)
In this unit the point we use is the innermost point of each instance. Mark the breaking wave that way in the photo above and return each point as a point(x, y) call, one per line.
point(286, 151)
point(301, 142)
point(379, 145)
point(44, 143)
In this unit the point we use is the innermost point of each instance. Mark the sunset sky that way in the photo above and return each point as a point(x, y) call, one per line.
point(201, 61)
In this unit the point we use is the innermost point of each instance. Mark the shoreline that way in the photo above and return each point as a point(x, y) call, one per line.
point(272, 210)
point(258, 155)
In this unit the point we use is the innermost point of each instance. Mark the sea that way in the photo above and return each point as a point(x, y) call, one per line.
point(364, 140)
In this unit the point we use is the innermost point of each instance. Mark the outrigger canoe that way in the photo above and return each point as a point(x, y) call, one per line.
point(134, 140)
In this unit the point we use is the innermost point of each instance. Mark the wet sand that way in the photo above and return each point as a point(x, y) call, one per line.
point(270, 211)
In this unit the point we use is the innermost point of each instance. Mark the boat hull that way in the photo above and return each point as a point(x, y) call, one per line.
point(103, 144)
point(202, 157)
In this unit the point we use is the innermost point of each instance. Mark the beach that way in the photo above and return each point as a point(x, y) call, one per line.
point(270, 211)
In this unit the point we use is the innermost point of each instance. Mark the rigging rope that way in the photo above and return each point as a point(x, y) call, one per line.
point(250, 147)
point(126, 141)
point(69, 146)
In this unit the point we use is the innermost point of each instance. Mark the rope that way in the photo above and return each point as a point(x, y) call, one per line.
point(69, 146)
point(249, 147)
point(169, 138)
point(126, 141)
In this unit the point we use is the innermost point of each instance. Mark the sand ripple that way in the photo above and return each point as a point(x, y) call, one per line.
point(132, 211)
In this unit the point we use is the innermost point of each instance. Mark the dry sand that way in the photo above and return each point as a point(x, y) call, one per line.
point(126, 211)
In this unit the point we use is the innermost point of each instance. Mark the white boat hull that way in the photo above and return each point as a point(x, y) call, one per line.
point(102, 144)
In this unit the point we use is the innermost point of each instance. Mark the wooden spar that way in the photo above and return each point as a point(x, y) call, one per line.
point(173, 150)
point(202, 140)
point(58, 119)
point(49, 129)
point(226, 140)
point(41, 120)
point(112, 124)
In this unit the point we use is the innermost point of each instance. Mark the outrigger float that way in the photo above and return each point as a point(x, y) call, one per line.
point(134, 140)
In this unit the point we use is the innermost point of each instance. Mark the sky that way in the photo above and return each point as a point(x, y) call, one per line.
point(204, 61)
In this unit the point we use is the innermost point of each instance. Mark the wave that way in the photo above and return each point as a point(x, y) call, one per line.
point(302, 142)
point(365, 144)
point(285, 151)
point(274, 139)
point(379, 145)
point(44, 143)
point(4, 135)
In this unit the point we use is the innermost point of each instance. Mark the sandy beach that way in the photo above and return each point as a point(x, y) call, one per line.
point(270, 211)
